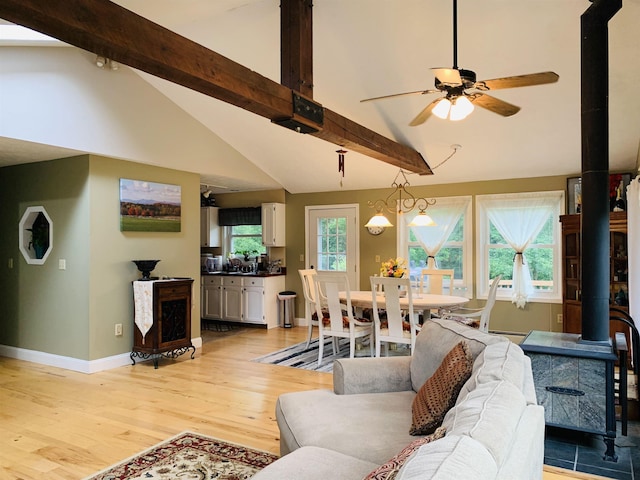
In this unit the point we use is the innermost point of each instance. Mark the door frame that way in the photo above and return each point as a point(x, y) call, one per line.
point(356, 235)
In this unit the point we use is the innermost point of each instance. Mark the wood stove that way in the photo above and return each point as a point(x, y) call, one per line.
point(574, 382)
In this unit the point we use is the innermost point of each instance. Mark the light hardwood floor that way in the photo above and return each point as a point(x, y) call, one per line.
point(59, 424)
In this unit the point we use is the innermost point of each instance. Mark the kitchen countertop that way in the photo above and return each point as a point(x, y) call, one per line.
point(242, 274)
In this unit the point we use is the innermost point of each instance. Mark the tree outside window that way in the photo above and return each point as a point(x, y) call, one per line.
point(246, 240)
point(332, 244)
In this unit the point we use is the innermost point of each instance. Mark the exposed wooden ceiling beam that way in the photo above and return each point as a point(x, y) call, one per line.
point(296, 45)
point(106, 29)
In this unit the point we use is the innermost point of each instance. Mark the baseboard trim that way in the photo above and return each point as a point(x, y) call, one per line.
point(74, 364)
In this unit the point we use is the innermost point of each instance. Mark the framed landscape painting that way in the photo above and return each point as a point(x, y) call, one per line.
point(149, 206)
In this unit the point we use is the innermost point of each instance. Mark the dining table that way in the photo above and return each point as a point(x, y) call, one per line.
point(423, 301)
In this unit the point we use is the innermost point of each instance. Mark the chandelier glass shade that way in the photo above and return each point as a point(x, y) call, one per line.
point(400, 201)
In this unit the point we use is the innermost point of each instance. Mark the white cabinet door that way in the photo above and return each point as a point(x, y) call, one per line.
point(232, 299)
point(212, 298)
point(209, 228)
point(253, 305)
point(273, 224)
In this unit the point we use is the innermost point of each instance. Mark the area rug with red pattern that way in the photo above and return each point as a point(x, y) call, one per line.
point(190, 455)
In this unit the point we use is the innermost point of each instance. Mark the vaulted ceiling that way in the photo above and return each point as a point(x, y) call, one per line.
point(366, 48)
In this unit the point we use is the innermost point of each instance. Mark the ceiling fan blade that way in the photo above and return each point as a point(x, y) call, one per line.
point(421, 92)
point(424, 114)
point(494, 104)
point(448, 76)
point(518, 81)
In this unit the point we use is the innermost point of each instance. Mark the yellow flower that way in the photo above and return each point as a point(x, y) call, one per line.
point(393, 268)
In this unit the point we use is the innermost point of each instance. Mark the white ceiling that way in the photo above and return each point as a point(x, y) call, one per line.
point(366, 48)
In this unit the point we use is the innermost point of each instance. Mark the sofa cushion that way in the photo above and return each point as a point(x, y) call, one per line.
point(490, 408)
point(498, 361)
point(314, 463)
point(372, 427)
point(451, 457)
point(436, 339)
point(390, 468)
point(440, 391)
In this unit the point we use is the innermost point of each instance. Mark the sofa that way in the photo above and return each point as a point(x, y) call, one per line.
point(494, 430)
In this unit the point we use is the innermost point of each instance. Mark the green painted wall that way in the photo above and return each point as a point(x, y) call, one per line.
point(505, 316)
point(44, 308)
point(73, 312)
point(112, 271)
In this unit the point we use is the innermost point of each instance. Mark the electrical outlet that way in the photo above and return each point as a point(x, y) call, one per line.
point(559, 318)
point(62, 264)
point(302, 257)
point(10, 263)
point(118, 329)
point(377, 258)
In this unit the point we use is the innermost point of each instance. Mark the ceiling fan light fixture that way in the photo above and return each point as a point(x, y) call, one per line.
point(460, 109)
point(441, 110)
point(378, 220)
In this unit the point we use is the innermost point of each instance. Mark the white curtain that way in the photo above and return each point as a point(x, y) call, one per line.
point(446, 216)
point(633, 240)
point(519, 220)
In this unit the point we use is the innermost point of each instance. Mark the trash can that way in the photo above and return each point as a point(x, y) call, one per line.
point(286, 308)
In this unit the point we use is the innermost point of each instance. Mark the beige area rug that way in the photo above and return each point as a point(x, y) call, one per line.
point(190, 455)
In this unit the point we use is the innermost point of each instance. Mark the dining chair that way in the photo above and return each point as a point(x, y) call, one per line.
point(336, 319)
point(400, 325)
point(308, 277)
point(432, 280)
point(477, 318)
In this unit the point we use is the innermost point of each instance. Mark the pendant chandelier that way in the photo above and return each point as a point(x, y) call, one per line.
point(400, 201)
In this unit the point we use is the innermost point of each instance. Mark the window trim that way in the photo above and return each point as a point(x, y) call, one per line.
point(461, 287)
point(482, 229)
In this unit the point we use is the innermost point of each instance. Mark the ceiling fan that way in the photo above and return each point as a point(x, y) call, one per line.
point(463, 91)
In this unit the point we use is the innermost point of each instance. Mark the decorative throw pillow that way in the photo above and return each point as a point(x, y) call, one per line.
point(439, 392)
point(390, 469)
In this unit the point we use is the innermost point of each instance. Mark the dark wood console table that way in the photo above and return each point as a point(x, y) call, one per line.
point(168, 304)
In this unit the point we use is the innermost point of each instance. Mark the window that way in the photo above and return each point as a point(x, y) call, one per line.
point(332, 244)
point(244, 239)
point(449, 243)
point(519, 238)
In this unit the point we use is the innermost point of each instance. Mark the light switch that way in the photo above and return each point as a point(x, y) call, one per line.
point(377, 258)
point(302, 257)
point(10, 263)
point(62, 264)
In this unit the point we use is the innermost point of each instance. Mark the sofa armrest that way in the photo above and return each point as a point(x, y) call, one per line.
point(371, 375)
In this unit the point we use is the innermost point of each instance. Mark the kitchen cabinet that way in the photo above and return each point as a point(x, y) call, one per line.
point(242, 298)
point(170, 333)
point(572, 263)
point(232, 298)
point(210, 232)
point(211, 297)
point(273, 224)
point(253, 307)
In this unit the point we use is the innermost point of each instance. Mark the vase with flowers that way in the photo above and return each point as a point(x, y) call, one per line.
point(393, 268)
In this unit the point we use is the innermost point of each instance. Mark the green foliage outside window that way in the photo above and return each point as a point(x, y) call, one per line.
point(449, 256)
point(247, 238)
point(332, 244)
point(538, 256)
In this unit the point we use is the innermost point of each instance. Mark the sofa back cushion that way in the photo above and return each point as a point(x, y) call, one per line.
point(488, 409)
point(436, 339)
point(499, 361)
point(453, 456)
